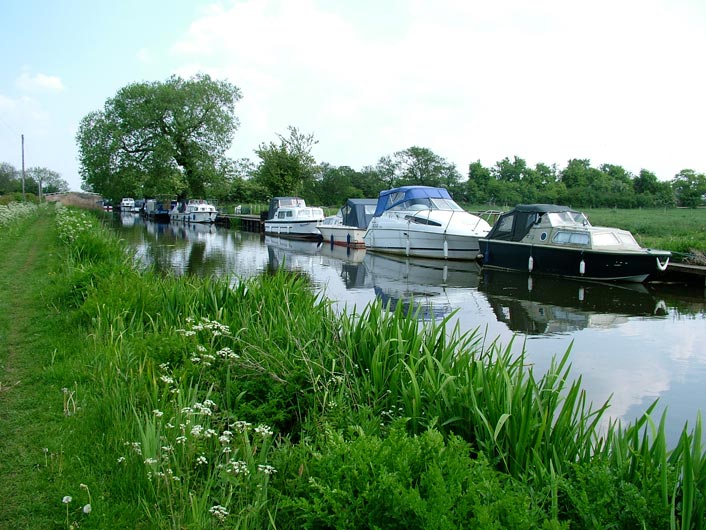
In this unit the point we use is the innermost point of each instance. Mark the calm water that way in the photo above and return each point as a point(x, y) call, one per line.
point(632, 343)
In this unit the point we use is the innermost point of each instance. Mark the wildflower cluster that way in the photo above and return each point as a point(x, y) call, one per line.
point(72, 223)
point(189, 443)
point(15, 211)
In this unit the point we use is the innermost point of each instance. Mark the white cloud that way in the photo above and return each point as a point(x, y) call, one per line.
point(39, 82)
point(471, 80)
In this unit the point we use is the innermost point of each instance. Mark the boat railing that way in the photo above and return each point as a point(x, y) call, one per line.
point(490, 216)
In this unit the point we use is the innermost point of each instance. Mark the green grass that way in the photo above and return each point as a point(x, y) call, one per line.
point(681, 230)
point(179, 402)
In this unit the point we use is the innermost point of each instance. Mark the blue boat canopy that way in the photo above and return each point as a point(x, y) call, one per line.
point(391, 198)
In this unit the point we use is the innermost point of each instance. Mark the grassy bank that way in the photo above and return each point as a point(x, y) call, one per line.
point(165, 402)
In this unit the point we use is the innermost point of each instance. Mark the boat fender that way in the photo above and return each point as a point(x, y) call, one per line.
point(662, 266)
point(530, 264)
point(446, 249)
point(332, 241)
point(530, 283)
point(582, 268)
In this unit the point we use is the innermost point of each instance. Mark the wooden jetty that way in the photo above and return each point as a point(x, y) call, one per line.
point(684, 272)
point(246, 222)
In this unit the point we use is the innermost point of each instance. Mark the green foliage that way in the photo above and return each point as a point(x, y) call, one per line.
point(399, 481)
point(159, 138)
point(285, 169)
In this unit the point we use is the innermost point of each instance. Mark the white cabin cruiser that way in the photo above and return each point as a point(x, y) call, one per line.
point(195, 211)
point(424, 221)
point(290, 217)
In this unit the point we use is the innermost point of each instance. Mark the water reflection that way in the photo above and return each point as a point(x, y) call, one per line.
point(633, 343)
point(539, 305)
point(432, 288)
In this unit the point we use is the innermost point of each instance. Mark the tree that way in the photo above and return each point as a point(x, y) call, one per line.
point(690, 188)
point(49, 181)
point(159, 138)
point(8, 178)
point(284, 169)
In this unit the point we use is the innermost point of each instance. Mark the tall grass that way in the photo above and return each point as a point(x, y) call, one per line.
point(200, 386)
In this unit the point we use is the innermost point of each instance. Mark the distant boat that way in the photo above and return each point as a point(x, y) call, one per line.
point(556, 240)
point(155, 210)
point(347, 228)
point(195, 211)
point(290, 217)
point(423, 221)
point(127, 204)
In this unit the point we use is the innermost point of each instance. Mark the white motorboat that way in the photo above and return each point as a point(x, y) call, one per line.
point(290, 217)
point(556, 240)
point(347, 228)
point(194, 211)
point(423, 221)
point(127, 205)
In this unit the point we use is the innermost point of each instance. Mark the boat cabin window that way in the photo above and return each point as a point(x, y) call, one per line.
point(505, 224)
point(567, 219)
point(564, 237)
point(445, 204)
point(613, 239)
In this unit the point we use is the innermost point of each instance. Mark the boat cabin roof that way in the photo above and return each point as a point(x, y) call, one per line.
point(391, 198)
point(358, 212)
point(282, 202)
point(515, 224)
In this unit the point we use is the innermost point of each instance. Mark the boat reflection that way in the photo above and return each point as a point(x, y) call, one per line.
point(432, 287)
point(129, 219)
point(540, 305)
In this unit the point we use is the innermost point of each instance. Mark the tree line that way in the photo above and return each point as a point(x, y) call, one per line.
point(36, 180)
point(170, 139)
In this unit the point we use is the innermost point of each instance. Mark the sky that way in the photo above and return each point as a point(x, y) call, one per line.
point(612, 81)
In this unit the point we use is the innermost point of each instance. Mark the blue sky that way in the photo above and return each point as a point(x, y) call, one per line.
point(614, 81)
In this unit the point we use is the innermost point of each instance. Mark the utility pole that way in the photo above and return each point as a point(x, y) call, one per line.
point(23, 168)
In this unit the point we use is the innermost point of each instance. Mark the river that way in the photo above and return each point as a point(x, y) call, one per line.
point(632, 343)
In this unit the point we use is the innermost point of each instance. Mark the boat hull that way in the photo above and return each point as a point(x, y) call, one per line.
point(293, 229)
point(193, 217)
point(343, 236)
point(573, 263)
point(406, 241)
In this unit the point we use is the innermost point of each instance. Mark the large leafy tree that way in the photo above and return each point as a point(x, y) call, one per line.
point(287, 168)
point(159, 138)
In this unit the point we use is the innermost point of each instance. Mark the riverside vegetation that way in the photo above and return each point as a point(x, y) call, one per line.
point(131, 400)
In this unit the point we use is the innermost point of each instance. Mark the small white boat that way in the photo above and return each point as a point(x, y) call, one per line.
point(347, 228)
point(290, 217)
point(423, 221)
point(195, 211)
point(127, 205)
point(556, 240)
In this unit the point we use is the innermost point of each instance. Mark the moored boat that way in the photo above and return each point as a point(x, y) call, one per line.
point(290, 217)
point(194, 211)
point(557, 240)
point(347, 228)
point(127, 205)
point(423, 221)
